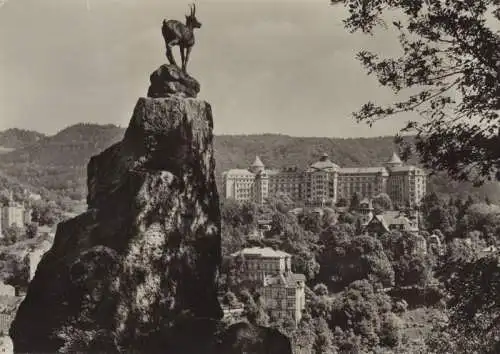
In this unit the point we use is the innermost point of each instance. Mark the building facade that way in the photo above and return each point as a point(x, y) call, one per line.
point(392, 221)
point(13, 214)
point(282, 291)
point(324, 182)
point(261, 262)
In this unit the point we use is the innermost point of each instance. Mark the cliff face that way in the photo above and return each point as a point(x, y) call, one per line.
point(137, 271)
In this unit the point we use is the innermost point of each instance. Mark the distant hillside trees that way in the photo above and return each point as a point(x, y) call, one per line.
point(58, 163)
point(17, 138)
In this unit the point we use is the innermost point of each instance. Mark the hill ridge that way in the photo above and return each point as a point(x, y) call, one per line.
point(59, 162)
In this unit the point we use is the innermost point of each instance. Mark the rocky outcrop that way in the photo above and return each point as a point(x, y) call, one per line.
point(253, 339)
point(171, 80)
point(137, 271)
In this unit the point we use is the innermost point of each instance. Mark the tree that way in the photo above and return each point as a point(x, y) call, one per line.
point(254, 310)
point(238, 214)
point(412, 270)
point(46, 213)
point(447, 73)
point(483, 218)
point(31, 230)
point(310, 221)
point(345, 258)
point(382, 202)
point(232, 239)
point(474, 316)
point(304, 336)
point(359, 312)
point(354, 204)
point(324, 338)
point(12, 234)
point(390, 331)
point(320, 289)
point(411, 267)
point(438, 214)
point(278, 223)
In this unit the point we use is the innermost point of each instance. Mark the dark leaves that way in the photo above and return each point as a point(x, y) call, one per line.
point(451, 60)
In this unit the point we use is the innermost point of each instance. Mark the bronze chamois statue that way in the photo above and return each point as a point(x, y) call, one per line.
point(177, 33)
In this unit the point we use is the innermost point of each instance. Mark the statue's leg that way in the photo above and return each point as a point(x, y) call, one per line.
point(188, 51)
point(170, 55)
point(183, 60)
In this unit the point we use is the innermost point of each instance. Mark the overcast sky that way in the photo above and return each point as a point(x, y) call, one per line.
point(266, 66)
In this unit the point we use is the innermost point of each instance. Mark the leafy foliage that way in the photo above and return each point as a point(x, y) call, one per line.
point(447, 73)
point(382, 202)
point(474, 323)
point(364, 285)
point(346, 258)
point(362, 318)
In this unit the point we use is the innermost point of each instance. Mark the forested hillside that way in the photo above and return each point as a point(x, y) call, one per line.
point(281, 150)
point(16, 138)
point(59, 162)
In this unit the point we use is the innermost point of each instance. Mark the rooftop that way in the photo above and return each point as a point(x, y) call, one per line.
point(257, 162)
point(239, 172)
point(290, 280)
point(324, 163)
point(267, 252)
point(394, 218)
point(362, 170)
point(405, 169)
point(394, 160)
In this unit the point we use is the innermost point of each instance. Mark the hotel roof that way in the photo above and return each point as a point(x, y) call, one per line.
point(394, 160)
point(394, 218)
point(239, 172)
point(363, 170)
point(257, 162)
point(406, 169)
point(267, 252)
point(324, 163)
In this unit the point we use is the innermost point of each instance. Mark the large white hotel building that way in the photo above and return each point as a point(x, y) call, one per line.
point(324, 182)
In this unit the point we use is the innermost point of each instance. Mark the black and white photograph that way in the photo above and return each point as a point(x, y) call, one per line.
point(250, 176)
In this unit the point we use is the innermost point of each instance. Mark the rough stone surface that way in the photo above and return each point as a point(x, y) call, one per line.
point(137, 271)
point(170, 80)
point(252, 339)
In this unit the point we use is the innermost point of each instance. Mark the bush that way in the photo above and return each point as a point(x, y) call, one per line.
point(320, 289)
point(390, 331)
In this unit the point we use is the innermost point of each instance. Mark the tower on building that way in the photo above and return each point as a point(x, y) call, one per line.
point(257, 165)
point(394, 161)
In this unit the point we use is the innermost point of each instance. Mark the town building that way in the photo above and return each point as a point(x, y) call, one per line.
point(392, 221)
point(13, 214)
point(260, 262)
point(284, 295)
point(366, 211)
point(282, 291)
point(324, 182)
